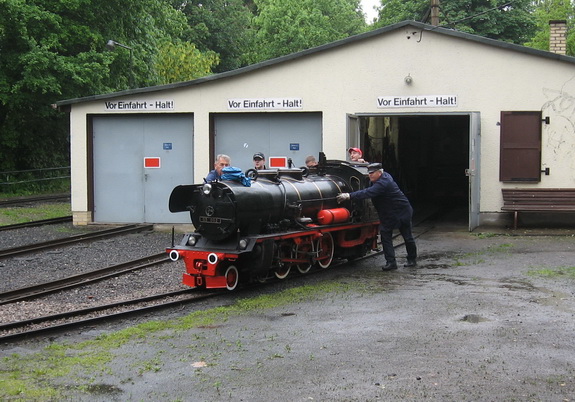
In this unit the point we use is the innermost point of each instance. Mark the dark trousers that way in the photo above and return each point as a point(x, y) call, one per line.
point(387, 242)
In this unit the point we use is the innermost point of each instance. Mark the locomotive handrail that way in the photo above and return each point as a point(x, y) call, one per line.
point(317, 199)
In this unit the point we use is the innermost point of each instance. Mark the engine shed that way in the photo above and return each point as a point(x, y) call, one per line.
point(455, 118)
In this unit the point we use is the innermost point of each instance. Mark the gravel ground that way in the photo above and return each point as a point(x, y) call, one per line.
point(469, 324)
point(32, 269)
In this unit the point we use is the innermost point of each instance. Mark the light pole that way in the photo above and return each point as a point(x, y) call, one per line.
point(111, 45)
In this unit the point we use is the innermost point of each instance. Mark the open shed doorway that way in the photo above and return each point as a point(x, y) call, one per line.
point(428, 156)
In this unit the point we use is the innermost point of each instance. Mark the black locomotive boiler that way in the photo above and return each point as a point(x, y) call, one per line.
point(287, 219)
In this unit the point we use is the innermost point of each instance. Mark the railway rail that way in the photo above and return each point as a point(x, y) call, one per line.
point(33, 199)
point(29, 292)
point(86, 237)
point(22, 329)
point(52, 221)
point(18, 330)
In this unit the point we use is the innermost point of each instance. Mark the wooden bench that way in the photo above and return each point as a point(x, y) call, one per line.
point(538, 200)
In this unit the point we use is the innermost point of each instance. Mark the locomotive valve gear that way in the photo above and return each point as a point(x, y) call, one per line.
point(341, 197)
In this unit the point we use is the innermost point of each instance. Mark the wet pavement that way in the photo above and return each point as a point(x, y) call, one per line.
point(486, 316)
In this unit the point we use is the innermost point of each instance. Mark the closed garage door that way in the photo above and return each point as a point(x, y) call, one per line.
point(294, 135)
point(138, 160)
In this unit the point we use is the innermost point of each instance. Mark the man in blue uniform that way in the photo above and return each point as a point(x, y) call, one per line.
point(394, 211)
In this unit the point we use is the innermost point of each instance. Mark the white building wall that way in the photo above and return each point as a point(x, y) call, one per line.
point(350, 78)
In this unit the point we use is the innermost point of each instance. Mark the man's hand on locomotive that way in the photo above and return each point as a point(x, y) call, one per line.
point(341, 197)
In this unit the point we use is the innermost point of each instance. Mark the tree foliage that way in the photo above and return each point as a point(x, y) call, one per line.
point(548, 10)
point(495, 19)
point(53, 50)
point(288, 26)
point(183, 62)
point(221, 26)
point(394, 11)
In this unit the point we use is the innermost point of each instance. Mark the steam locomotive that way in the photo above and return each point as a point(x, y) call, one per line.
point(288, 219)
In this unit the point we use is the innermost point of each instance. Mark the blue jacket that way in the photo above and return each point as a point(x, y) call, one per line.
point(392, 206)
point(212, 176)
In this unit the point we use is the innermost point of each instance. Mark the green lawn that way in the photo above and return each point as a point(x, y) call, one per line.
point(13, 215)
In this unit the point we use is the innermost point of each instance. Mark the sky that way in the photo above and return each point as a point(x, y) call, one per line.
point(367, 6)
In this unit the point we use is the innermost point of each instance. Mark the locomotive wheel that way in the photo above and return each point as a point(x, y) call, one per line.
point(325, 250)
point(304, 249)
point(232, 277)
point(282, 272)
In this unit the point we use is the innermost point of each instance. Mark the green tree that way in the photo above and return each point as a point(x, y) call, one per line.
point(288, 26)
point(221, 26)
point(510, 21)
point(548, 10)
point(54, 50)
point(183, 62)
point(394, 11)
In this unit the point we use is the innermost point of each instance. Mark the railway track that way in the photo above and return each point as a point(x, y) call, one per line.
point(30, 292)
point(52, 221)
point(86, 237)
point(18, 330)
point(33, 199)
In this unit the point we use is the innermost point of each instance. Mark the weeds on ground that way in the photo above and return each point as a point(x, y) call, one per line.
point(557, 272)
point(478, 257)
point(39, 376)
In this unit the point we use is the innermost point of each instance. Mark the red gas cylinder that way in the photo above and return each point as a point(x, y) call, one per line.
point(330, 216)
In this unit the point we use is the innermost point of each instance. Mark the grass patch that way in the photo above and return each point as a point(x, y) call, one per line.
point(479, 256)
point(13, 215)
point(568, 272)
point(484, 235)
point(39, 376)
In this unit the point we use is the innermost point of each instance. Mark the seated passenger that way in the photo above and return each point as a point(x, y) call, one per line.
point(310, 161)
point(356, 155)
point(222, 161)
point(259, 161)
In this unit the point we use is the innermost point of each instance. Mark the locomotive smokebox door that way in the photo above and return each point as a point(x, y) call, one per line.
point(180, 198)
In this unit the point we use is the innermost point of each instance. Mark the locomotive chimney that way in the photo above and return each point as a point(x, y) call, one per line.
point(557, 36)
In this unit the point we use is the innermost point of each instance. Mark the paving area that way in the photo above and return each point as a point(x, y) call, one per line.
point(486, 316)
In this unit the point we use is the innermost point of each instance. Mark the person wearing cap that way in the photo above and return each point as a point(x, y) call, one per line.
point(310, 161)
point(356, 155)
point(222, 161)
point(394, 211)
point(259, 161)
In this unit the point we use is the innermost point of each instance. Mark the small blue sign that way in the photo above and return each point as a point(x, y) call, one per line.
point(167, 146)
point(294, 147)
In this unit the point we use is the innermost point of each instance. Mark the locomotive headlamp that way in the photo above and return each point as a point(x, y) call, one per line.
point(207, 189)
point(192, 240)
point(243, 243)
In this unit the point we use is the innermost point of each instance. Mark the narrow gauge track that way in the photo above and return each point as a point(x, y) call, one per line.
point(21, 329)
point(33, 199)
point(18, 330)
point(100, 234)
point(62, 219)
point(29, 292)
